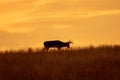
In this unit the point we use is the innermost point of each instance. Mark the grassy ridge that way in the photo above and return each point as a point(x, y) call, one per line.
point(91, 63)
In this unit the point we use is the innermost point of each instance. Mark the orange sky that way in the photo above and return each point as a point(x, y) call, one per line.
point(25, 23)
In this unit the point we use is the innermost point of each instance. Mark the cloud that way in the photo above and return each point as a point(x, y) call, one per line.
point(42, 2)
point(9, 0)
point(61, 26)
point(17, 30)
point(101, 13)
point(20, 16)
point(23, 12)
point(31, 10)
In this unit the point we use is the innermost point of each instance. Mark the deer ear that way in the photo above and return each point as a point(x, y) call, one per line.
point(70, 41)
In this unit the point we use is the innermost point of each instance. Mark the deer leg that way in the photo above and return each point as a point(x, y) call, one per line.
point(46, 49)
point(59, 49)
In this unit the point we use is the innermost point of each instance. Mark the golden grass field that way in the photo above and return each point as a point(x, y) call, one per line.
point(89, 63)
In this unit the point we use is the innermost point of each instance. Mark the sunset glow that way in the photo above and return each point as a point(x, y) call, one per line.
point(28, 23)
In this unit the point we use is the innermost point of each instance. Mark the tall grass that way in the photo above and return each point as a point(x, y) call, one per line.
point(88, 63)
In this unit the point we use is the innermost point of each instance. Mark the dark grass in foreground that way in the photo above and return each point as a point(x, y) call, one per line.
point(92, 63)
